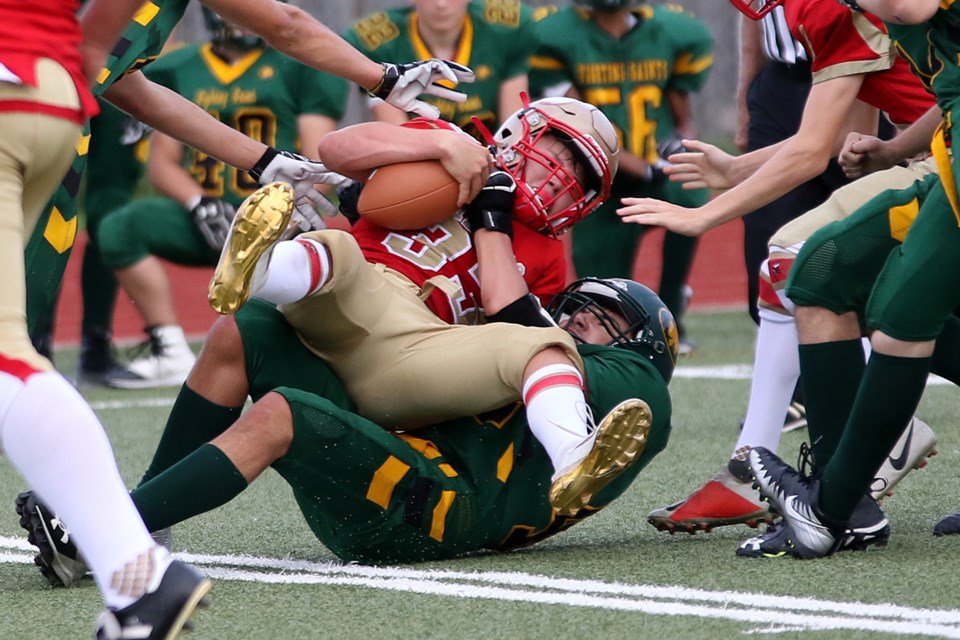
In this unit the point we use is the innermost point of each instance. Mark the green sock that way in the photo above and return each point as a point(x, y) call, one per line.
point(891, 390)
point(193, 421)
point(204, 480)
point(830, 373)
point(946, 364)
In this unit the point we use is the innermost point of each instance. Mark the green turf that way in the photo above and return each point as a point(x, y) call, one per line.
point(616, 546)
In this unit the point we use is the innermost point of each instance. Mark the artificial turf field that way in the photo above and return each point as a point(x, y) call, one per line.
point(612, 576)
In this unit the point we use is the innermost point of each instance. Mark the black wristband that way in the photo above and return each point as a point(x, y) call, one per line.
point(261, 166)
point(490, 219)
point(391, 74)
point(524, 311)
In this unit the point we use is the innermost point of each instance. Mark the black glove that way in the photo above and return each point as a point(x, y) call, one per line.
point(654, 173)
point(492, 209)
point(669, 146)
point(665, 148)
point(349, 196)
point(213, 218)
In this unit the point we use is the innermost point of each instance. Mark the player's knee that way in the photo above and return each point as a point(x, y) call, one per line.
point(223, 346)
point(120, 246)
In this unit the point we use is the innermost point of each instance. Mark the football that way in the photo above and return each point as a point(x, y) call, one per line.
point(409, 195)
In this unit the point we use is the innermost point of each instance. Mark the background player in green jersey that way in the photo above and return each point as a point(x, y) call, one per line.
point(251, 88)
point(288, 29)
point(493, 37)
point(639, 65)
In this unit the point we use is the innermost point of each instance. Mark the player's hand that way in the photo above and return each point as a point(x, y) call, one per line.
point(402, 83)
point(863, 154)
point(212, 218)
point(687, 222)
point(492, 209)
point(468, 162)
point(303, 174)
point(701, 166)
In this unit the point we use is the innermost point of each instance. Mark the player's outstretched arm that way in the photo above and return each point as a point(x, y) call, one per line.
point(103, 21)
point(296, 33)
point(356, 150)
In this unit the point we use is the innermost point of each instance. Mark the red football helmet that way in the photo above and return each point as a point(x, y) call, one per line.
point(585, 131)
point(756, 9)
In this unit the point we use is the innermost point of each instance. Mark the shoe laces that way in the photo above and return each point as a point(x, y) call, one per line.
point(805, 461)
point(151, 345)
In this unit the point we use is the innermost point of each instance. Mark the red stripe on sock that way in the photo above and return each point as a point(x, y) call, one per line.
point(315, 266)
point(558, 380)
point(17, 368)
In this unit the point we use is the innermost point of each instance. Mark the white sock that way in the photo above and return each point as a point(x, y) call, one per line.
point(557, 411)
point(55, 441)
point(297, 268)
point(776, 369)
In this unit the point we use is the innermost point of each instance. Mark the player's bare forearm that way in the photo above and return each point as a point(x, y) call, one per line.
point(182, 120)
point(355, 151)
point(103, 21)
point(166, 173)
point(301, 36)
point(502, 282)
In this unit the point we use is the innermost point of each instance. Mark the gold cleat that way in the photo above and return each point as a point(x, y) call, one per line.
point(260, 222)
point(616, 444)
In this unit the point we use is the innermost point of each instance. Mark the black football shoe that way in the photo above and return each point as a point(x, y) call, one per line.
point(59, 559)
point(159, 614)
point(868, 527)
point(794, 497)
point(948, 526)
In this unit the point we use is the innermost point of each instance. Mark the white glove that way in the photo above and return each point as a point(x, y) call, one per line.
point(302, 174)
point(402, 83)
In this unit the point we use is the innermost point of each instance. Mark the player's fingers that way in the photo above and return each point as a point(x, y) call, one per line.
point(447, 94)
point(425, 110)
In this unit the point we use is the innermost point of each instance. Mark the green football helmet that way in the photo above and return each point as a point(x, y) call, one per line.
point(651, 330)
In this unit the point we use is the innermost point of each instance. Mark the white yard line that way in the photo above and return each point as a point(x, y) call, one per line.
point(774, 614)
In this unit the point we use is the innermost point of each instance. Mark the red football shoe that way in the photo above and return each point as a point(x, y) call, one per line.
point(722, 501)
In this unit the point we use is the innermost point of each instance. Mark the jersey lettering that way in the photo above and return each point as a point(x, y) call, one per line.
point(506, 12)
point(376, 30)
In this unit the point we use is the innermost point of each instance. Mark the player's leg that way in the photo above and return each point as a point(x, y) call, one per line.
point(854, 248)
point(915, 294)
point(49, 433)
point(250, 353)
point(603, 247)
point(113, 171)
point(134, 239)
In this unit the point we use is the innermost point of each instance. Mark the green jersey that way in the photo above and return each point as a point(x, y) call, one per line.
point(626, 77)
point(260, 94)
point(933, 51)
point(497, 41)
point(49, 247)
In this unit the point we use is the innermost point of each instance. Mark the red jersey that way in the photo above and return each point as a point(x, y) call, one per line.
point(446, 250)
point(33, 29)
point(841, 42)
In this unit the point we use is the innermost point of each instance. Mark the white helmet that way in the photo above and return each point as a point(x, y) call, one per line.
point(586, 132)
